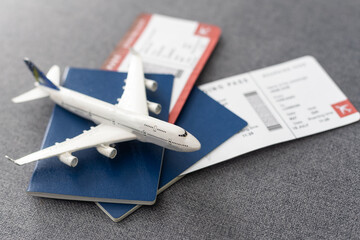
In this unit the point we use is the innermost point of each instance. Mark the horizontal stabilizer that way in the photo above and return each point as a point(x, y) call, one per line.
point(36, 93)
point(33, 94)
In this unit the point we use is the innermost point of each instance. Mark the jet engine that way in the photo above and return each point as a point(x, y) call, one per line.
point(68, 159)
point(107, 151)
point(151, 85)
point(154, 107)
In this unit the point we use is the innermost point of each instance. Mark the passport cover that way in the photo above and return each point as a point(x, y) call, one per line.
point(210, 122)
point(131, 177)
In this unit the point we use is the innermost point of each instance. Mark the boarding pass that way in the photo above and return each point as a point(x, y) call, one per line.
point(168, 45)
point(280, 103)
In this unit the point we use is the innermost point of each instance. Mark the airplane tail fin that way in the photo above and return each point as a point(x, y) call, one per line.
point(36, 93)
point(39, 75)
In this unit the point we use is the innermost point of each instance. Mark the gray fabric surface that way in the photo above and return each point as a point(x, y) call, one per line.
point(309, 188)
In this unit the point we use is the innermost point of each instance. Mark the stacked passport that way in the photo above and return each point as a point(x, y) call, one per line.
point(141, 170)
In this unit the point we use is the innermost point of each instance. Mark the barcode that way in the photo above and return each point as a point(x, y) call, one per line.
point(262, 110)
point(156, 68)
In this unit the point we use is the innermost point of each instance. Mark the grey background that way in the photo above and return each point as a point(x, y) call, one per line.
point(309, 188)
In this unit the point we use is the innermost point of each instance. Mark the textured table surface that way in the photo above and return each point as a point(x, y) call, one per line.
point(308, 188)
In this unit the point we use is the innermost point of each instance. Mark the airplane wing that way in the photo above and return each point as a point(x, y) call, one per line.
point(101, 134)
point(134, 96)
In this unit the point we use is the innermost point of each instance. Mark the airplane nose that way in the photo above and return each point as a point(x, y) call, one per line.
point(194, 144)
point(197, 145)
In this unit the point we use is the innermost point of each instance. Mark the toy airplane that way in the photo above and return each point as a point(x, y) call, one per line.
point(127, 120)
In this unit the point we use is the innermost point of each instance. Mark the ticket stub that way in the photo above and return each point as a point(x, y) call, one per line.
point(168, 45)
point(280, 103)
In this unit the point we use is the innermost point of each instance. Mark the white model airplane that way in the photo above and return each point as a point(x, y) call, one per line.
point(127, 120)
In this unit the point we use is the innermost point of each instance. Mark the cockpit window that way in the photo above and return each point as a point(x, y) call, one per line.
point(183, 135)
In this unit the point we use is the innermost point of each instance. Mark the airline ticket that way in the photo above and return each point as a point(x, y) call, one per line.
point(280, 103)
point(168, 45)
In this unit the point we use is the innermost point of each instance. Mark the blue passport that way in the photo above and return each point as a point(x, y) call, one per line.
point(210, 122)
point(131, 177)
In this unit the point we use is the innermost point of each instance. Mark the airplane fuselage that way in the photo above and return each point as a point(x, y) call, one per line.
point(146, 128)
